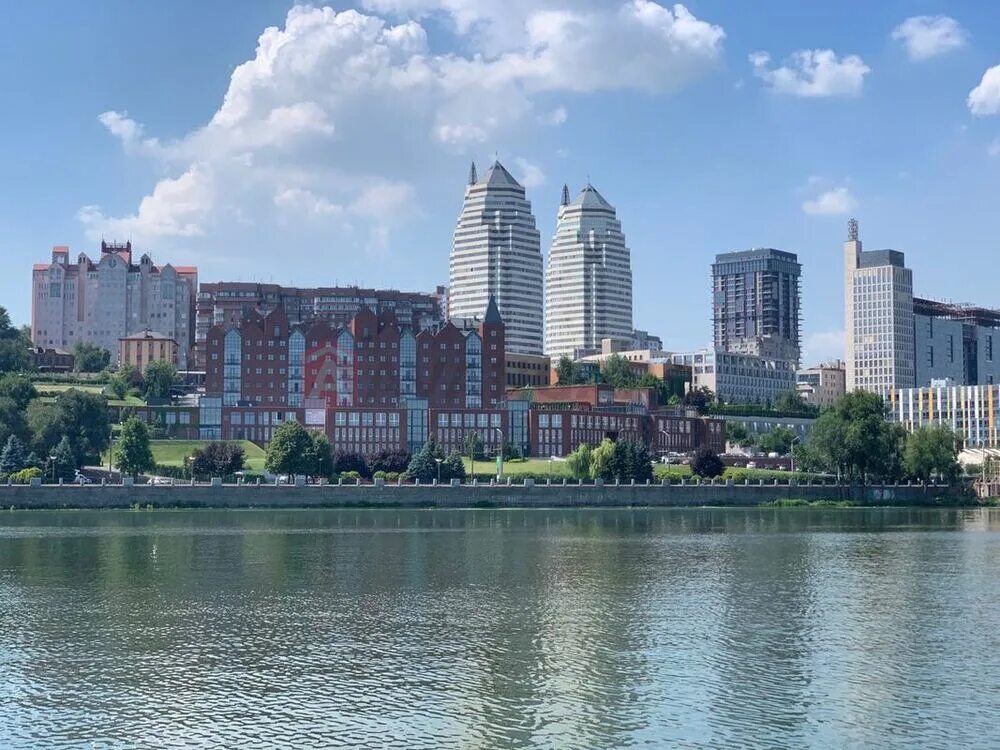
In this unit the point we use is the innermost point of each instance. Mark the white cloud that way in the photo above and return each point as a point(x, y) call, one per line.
point(556, 117)
point(530, 175)
point(929, 36)
point(305, 201)
point(335, 112)
point(812, 73)
point(177, 207)
point(984, 99)
point(823, 346)
point(833, 202)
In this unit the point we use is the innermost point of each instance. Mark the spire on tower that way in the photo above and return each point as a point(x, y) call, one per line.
point(565, 195)
point(472, 174)
point(852, 230)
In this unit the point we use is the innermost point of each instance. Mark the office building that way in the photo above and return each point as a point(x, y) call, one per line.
point(588, 288)
point(739, 378)
point(822, 385)
point(527, 370)
point(971, 411)
point(496, 253)
point(104, 300)
point(878, 318)
point(755, 303)
point(956, 343)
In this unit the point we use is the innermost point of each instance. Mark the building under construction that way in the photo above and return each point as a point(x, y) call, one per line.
point(955, 342)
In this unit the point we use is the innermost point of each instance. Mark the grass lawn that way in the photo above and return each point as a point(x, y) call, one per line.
point(536, 466)
point(173, 452)
point(57, 388)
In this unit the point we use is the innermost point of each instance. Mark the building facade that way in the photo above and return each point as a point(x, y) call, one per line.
point(104, 300)
point(223, 303)
point(140, 349)
point(971, 411)
point(527, 370)
point(496, 253)
point(955, 342)
point(878, 318)
point(739, 378)
point(822, 385)
point(755, 307)
point(588, 288)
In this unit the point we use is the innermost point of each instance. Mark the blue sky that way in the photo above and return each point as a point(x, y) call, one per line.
point(333, 148)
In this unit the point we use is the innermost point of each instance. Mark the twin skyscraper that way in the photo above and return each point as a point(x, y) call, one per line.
point(587, 291)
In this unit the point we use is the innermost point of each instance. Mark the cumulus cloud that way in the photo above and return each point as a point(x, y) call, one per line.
point(812, 73)
point(833, 202)
point(530, 175)
point(929, 36)
point(984, 99)
point(335, 111)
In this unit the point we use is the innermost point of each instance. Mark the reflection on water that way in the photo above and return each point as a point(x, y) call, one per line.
point(500, 629)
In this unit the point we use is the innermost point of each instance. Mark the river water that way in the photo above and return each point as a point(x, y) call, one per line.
point(695, 628)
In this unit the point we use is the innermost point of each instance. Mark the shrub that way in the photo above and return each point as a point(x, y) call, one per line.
point(706, 463)
point(350, 476)
point(24, 476)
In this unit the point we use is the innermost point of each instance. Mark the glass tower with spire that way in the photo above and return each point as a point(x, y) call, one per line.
point(496, 253)
point(588, 288)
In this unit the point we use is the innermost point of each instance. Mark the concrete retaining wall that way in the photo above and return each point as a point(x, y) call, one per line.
point(464, 496)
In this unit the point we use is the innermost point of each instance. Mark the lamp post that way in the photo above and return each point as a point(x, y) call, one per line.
point(791, 452)
point(438, 461)
point(665, 442)
point(499, 453)
point(52, 462)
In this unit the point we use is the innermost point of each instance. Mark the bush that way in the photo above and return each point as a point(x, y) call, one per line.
point(706, 463)
point(389, 461)
point(345, 462)
point(24, 476)
point(350, 476)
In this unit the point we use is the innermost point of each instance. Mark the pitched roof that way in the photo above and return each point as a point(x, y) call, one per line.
point(492, 312)
point(590, 198)
point(498, 176)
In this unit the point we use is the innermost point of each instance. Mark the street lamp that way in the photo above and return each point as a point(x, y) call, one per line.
point(791, 452)
point(665, 442)
point(499, 453)
point(52, 461)
point(438, 461)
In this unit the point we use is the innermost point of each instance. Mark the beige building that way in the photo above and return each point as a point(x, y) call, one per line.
point(822, 385)
point(101, 301)
point(527, 370)
point(878, 318)
point(149, 346)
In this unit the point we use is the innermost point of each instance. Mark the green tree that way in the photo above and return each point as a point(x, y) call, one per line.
point(791, 402)
point(159, 378)
point(18, 388)
point(617, 371)
point(474, 447)
point(345, 461)
point(324, 454)
point(133, 454)
point(89, 357)
point(931, 452)
point(291, 451)
point(580, 461)
point(453, 468)
point(63, 461)
point(218, 459)
point(777, 440)
point(568, 372)
point(14, 346)
point(854, 440)
point(699, 398)
point(81, 417)
point(660, 388)
point(602, 460)
point(706, 463)
point(14, 456)
point(423, 465)
point(737, 434)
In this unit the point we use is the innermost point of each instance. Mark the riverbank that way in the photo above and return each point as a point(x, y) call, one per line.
point(526, 495)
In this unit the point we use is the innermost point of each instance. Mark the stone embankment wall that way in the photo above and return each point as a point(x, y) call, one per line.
point(458, 496)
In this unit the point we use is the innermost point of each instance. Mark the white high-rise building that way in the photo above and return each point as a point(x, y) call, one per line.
point(878, 318)
point(588, 286)
point(497, 252)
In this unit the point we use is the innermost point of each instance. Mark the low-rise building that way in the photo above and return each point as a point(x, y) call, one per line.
point(739, 378)
point(972, 411)
point(50, 359)
point(527, 370)
point(140, 349)
point(822, 385)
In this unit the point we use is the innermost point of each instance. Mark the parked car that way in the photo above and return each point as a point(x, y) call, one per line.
point(160, 481)
point(80, 478)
